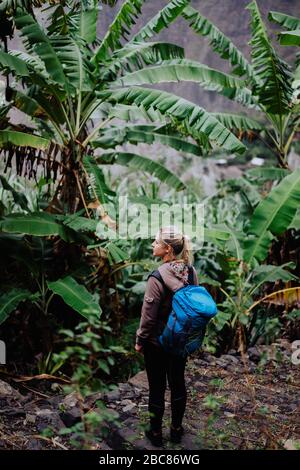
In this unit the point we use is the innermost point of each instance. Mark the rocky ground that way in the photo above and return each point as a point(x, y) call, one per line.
point(234, 402)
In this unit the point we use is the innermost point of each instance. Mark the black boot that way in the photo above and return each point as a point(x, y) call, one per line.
point(155, 437)
point(176, 434)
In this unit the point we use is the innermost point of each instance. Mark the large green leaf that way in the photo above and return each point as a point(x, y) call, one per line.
point(99, 188)
point(217, 235)
point(114, 136)
point(19, 198)
point(237, 121)
point(178, 71)
point(75, 59)
point(139, 163)
point(80, 224)
point(161, 20)
point(290, 38)
point(38, 223)
point(272, 216)
point(21, 139)
point(37, 41)
point(11, 5)
point(131, 113)
point(13, 65)
point(115, 253)
point(269, 273)
point(10, 300)
point(287, 21)
point(240, 95)
point(219, 42)
point(119, 28)
point(35, 66)
point(195, 119)
point(76, 296)
point(26, 103)
point(272, 74)
point(247, 189)
point(268, 173)
point(137, 55)
point(225, 237)
point(87, 22)
point(40, 107)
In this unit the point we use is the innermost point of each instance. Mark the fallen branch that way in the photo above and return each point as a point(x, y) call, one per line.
point(40, 377)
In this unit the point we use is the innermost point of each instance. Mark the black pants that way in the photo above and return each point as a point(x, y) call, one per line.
point(161, 366)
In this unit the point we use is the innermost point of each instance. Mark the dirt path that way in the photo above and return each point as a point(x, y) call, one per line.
point(233, 403)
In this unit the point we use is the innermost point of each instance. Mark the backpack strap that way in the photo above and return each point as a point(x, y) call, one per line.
point(191, 276)
point(158, 276)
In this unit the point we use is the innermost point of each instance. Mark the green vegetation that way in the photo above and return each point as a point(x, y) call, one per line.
point(82, 100)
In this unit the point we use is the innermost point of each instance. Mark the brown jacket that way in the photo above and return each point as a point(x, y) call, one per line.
point(157, 303)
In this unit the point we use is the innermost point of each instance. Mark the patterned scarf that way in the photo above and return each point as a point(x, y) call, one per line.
point(180, 270)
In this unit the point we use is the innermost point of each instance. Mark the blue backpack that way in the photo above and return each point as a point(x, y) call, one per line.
point(192, 308)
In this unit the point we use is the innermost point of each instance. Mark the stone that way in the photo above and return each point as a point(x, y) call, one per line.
point(209, 358)
point(228, 414)
point(91, 400)
point(48, 419)
point(130, 395)
point(124, 387)
point(113, 395)
point(7, 391)
point(221, 363)
point(55, 387)
point(233, 352)
point(254, 354)
point(71, 416)
point(70, 400)
point(230, 358)
point(129, 407)
point(55, 401)
point(140, 380)
point(125, 402)
point(30, 418)
point(143, 407)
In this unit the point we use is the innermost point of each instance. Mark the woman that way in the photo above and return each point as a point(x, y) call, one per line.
point(175, 272)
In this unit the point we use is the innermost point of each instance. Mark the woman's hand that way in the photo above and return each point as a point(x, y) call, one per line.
point(138, 348)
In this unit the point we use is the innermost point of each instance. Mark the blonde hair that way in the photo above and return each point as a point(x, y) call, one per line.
point(180, 243)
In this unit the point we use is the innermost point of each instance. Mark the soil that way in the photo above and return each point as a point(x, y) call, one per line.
point(234, 402)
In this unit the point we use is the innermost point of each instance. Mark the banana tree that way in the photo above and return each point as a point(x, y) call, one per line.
point(37, 251)
point(244, 248)
point(291, 37)
point(77, 87)
point(264, 85)
point(244, 304)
